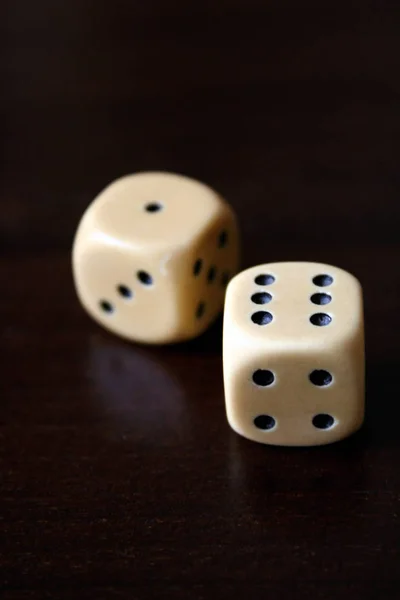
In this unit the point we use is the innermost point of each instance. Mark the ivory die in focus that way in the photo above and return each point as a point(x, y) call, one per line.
point(152, 256)
point(294, 354)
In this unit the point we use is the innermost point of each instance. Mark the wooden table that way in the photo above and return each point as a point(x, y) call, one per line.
point(120, 477)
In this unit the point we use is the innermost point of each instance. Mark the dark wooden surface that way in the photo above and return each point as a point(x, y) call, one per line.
point(120, 477)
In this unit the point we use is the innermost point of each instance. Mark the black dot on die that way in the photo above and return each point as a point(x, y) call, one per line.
point(211, 275)
point(320, 298)
point(261, 298)
point(264, 279)
point(261, 317)
point(153, 207)
point(320, 319)
point(263, 377)
point(323, 421)
point(320, 377)
point(200, 310)
point(198, 265)
point(264, 422)
point(124, 291)
point(144, 277)
point(106, 306)
point(222, 239)
point(323, 280)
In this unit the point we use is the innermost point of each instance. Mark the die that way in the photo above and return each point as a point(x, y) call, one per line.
point(293, 350)
point(152, 256)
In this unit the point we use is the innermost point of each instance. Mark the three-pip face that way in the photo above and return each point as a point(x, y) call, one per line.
point(294, 354)
point(152, 256)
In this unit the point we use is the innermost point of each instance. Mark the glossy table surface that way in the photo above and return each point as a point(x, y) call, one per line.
point(119, 475)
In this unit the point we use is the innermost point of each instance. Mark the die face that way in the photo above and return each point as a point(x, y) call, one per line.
point(153, 210)
point(296, 304)
point(212, 260)
point(305, 398)
point(130, 294)
point(143, 281)
point(290, 382)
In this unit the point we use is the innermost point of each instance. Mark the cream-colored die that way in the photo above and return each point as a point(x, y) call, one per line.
point(294, 354)
point(152, 256)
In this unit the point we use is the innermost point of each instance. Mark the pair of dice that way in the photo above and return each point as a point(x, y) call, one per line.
point(152, 257)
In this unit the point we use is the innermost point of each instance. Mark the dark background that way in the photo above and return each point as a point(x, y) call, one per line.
point(120, 477)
